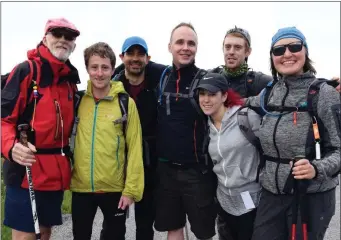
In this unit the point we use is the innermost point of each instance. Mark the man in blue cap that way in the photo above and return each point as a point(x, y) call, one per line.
point(140, 85)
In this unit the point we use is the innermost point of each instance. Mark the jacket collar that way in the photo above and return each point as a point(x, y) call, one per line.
point(186, 72)
point(52, 70)
point(149, 84)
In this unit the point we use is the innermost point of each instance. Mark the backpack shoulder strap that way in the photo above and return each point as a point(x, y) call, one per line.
point(246, 129)
point(77, 100)
point(313, 94)
point(218, 69)
point(195, 82)
point(266, 94)
point(163, 82)
point(250, 82)
point(123, 99)
point(118, 76)
point(34, 79)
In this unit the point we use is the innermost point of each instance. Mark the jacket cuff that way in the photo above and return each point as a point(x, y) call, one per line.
point(316, 171)
point(320, 174)
point(10, 155)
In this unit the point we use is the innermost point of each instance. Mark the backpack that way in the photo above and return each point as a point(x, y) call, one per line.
point(191, 94)
point(251, 78)
point(33, 79)
point(310, 107)
point(193, 99)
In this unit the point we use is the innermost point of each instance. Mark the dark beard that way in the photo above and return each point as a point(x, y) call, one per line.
point(137, 74)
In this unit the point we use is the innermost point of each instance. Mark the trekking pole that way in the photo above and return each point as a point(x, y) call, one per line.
point(22, 128)
point(294, 212)
point(298, 201)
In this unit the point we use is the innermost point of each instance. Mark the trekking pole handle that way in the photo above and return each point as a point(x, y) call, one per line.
point(298, 157)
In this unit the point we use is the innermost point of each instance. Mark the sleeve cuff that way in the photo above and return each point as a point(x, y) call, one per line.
point(10, 155)
point(316, 171)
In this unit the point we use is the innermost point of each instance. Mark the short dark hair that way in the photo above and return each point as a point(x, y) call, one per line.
point(182, 24)
point(308, 66)
point(102, 50)
point(239, 35)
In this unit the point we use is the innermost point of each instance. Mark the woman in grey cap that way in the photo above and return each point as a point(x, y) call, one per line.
point(301, 145)
point(235, 158)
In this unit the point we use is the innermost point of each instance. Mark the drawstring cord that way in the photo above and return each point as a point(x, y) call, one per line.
point(35, 96)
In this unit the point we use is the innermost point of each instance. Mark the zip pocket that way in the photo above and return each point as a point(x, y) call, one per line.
point(56, 104)
point(117, 149)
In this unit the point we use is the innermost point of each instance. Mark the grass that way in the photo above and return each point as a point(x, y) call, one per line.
point(6, 232)
point(66, 207)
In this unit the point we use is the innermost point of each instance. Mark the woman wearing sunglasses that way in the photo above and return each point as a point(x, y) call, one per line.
point(235, 159)
point(302, 152)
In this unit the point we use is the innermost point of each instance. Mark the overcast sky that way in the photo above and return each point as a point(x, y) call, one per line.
point(22, 28)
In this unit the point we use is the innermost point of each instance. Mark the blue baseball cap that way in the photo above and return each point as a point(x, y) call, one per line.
point(131, 41)
point(289, 32)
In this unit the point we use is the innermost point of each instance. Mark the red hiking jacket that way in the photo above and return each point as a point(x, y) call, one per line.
point(51, 120)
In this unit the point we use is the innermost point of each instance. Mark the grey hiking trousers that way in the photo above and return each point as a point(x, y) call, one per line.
point(274, 216)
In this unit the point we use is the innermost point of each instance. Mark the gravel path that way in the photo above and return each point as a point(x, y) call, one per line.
point(64, 232)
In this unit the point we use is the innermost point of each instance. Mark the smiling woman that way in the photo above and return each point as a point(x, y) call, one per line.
point(235, 158)
point(299, 136)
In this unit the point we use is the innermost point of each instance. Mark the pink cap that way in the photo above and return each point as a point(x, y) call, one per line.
point(60, 23)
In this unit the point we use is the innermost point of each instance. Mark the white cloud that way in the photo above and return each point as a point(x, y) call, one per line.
point(22, 27)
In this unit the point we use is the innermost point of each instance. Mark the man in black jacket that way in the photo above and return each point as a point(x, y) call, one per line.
point(141, 85)
point(237, 49)
point(186, 184)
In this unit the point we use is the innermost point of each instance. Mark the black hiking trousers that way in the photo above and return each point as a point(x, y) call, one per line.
point(84, 208)
point(274, 216)
point(144, 209)
point(232, 227)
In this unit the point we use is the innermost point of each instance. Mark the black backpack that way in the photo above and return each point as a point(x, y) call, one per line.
point(251, 78)
point(191, 95)
point(33, 79)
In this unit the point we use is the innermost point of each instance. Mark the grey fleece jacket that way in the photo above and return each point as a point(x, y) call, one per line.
point(290, 139)
point(235, 161)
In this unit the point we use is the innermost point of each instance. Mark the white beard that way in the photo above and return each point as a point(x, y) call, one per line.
point(63, 57)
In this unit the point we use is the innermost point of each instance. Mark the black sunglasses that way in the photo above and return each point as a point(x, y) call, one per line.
point(68, 36)
point(293, 48)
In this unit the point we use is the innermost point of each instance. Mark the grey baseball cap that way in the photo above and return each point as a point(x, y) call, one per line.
point(243, 32)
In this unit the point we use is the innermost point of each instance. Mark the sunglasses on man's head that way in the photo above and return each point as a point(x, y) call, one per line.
point(68, 36)
point(293, 48)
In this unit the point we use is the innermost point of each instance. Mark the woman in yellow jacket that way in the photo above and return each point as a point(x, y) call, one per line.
point(102, 177)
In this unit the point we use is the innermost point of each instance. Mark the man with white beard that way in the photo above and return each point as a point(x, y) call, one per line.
point(39, 92)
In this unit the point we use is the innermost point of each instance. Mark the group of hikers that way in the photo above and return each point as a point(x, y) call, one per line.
point(256, 156)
